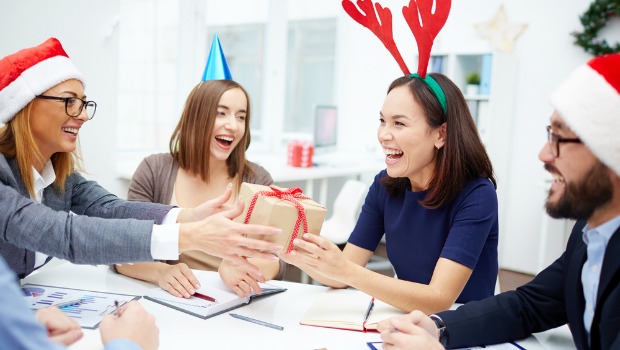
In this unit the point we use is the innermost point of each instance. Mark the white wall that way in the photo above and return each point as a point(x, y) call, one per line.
point(88, 33)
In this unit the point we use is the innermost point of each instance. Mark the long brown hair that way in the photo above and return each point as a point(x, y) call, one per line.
point(463, 156)
point(16, 141)
point(191, 139)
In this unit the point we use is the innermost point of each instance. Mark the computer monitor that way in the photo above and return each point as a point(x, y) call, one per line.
point(325, 129)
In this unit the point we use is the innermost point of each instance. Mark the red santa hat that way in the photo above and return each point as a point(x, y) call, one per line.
point(589, 102)
point(30, 72)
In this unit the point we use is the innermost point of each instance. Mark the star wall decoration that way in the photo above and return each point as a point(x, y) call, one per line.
point(500, 32)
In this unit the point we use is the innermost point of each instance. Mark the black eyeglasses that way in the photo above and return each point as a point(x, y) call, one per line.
point(74, 105)
point(555, 140)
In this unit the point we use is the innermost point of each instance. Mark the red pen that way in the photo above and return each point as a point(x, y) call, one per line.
point(204, 296)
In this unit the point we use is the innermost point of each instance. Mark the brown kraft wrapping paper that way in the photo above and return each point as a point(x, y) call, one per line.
point(278, 207)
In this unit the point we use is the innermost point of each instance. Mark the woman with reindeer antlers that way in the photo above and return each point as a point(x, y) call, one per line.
point(436, 201)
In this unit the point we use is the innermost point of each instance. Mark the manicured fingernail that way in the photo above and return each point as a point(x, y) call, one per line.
point(277, 230)
point(230, 185)
point(191, 291)
point(296, 241)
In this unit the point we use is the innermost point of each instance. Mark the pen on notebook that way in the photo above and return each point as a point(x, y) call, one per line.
point(205, 297)
point(370, 306)
point(118, 309)
point(69, 302)
point(253, 320)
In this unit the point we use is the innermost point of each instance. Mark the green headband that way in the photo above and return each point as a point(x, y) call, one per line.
point(432, 83)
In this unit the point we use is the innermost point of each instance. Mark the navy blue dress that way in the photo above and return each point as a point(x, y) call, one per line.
point(464, 231)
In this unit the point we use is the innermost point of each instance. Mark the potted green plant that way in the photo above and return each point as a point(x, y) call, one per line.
point(473, 84)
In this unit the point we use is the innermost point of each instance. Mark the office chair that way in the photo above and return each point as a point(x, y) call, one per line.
point(346, 210)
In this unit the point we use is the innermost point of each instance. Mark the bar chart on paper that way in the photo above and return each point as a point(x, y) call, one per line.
point(87, 307)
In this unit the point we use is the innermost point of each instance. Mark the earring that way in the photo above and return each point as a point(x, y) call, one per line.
point(438, 147)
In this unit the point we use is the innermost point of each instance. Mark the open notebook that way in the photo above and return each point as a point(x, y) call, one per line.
point(213, 286)
point(348, 309)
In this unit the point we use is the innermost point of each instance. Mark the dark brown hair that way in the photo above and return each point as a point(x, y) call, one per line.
point(463, 156)
point(191, 139)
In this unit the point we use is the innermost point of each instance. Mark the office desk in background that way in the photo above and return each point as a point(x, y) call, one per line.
point(330, 166)
point(179, 330)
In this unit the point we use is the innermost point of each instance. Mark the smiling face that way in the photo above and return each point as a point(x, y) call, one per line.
point(408, 142)
point(52, 129)
point(581, 183)
point(229, 124)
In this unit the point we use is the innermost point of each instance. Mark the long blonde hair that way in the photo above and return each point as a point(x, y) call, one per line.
point(16, 141)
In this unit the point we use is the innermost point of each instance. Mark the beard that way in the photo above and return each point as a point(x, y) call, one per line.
point(582, 198)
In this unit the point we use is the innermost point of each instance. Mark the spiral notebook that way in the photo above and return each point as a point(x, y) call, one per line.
point(213, 286)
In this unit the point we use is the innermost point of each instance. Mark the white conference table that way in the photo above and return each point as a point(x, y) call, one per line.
point(182, 331)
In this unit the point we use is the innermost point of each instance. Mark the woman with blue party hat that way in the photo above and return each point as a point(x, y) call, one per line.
point(207, 153)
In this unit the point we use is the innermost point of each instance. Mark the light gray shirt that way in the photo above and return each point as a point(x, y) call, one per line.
point(596, 239)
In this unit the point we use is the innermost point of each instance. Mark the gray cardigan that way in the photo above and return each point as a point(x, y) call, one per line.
point(106, 229)
point(154, 179)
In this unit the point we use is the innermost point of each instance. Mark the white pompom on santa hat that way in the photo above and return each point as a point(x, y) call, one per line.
point(30, 72)
point(589, 102)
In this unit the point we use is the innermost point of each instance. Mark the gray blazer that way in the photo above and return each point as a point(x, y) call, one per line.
point(106, 229)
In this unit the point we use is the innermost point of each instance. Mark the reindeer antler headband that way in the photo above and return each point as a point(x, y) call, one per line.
point(424, 25)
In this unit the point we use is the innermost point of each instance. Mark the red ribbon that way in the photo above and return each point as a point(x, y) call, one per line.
point(290, 195)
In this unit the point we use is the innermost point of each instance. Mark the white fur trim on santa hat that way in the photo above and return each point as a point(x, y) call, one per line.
point(34, 81)
point(591, 108)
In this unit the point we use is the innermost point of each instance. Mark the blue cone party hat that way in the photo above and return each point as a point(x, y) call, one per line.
point(217, 68)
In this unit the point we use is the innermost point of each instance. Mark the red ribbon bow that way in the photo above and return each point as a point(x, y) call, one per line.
point(290, 195)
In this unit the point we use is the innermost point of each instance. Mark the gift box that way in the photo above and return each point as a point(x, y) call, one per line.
point(299, 154)
point(285, 208)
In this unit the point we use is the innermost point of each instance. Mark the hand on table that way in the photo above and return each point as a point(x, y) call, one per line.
point(134, 323)
point(60, 327)
point(411, 331)
point(178, 280)
point(242, 278)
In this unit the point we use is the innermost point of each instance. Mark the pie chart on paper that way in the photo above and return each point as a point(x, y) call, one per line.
point(34, 292)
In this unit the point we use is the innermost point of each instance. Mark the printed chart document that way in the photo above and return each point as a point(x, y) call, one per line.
point(213, 286)
point(348, 309)
point(87, 307)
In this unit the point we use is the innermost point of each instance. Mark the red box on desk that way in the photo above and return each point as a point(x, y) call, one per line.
point(299, 154)
point(284, 208)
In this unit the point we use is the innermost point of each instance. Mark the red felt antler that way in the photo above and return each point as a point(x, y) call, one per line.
point(426, 31)
point(382, 30)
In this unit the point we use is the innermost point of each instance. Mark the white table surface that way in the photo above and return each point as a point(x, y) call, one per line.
point(182, 331)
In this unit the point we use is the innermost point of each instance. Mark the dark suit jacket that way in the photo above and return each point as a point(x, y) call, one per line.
point(552, 299)
point(101, 233)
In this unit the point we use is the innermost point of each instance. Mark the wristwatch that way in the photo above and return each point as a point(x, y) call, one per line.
point(441, 329)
